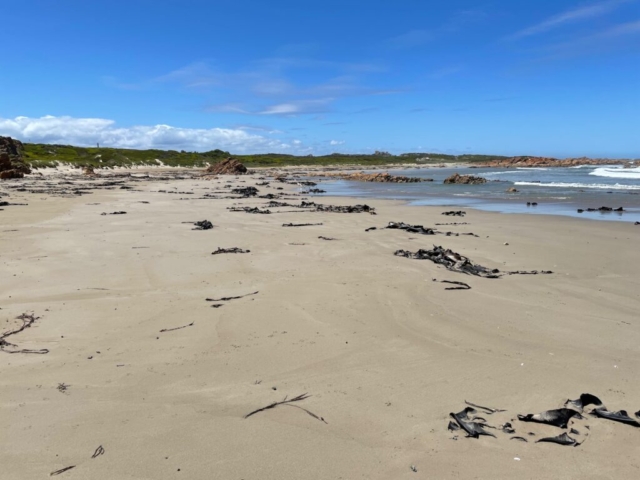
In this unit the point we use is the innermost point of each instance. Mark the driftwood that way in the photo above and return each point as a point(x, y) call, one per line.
point(114, 213)
point(230, 250)
point(27, 321)
point(176, 328)
point(226, 299)
point(288, 403)
point(326, 238)
point(370, 229)
point(301, 224)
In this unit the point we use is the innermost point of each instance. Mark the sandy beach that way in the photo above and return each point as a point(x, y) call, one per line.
point(384, 352)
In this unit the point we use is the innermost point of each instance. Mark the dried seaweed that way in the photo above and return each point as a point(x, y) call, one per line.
point(176, 328)
point(411, 228)
point(461, 285)
point(458, 213)
point(99, 451)
point(229, 250)
point(27, 321)
point(301, 224)
point(563, 439)
point(203, 225)
point(584, 400)
point(62, 470)
point(620, 416)
point(288, 403)
point(485, 409)
point(557, 418)
point(473, 429)
point(326, 238)
point(226, 299)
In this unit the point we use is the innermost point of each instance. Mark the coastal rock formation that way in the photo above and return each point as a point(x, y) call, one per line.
point(464, 179)
point(230, 166)
point(545, 162)
point(11, 163)
point(383, 177)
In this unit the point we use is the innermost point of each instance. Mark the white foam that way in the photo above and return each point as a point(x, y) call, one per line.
point(532, 168)
point(609, 172)
point(599, 186)
point(501, 173)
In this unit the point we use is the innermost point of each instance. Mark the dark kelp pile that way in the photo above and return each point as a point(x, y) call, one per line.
point(458, 263)
point(565, 418)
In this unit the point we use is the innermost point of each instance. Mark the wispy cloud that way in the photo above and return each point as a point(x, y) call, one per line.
point(412, 38)
point(571, 16)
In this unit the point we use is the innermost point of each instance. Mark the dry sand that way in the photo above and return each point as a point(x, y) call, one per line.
point(384, 351)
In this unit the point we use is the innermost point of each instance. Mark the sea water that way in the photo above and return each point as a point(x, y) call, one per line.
point(558, 191)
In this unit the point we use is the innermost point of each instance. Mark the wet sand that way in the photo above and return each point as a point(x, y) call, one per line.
point(384, 352)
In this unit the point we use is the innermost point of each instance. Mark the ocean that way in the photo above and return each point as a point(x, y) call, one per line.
point(557, 191)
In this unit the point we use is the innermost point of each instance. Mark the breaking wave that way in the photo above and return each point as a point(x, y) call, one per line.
point(633, 173)
point(599, 186)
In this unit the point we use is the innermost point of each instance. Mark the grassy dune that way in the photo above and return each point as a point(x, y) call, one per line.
point(42, 155)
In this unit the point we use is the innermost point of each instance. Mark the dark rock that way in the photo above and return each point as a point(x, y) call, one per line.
point(456, 178)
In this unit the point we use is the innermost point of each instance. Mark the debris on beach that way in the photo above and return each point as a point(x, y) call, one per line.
point(621, 416)
point(473, 427)
point(458, 263)
point(245, 191)
point(98, 451)
point(326, 238)
point(230, 250)
point(114, 213)
point(370, 229)
point(250, 210)
point(411, 228)
point(288, 403)
point(455, 213)
point(558, 417)
point(226, 299)
point(28, 319)
point(203, 225)
point(451, 260)
point(563, 439)
point(62, 470)
point(459, 285)
point(176, 328)
point(301, 224)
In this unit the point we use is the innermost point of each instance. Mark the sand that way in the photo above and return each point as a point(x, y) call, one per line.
point(384, 352)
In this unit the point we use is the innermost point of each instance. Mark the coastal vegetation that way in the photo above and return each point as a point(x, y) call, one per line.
point(44, 155)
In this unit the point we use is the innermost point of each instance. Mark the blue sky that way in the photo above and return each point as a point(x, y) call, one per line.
point(556, 78)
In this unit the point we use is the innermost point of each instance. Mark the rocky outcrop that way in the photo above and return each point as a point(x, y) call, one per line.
point(230, 166)
point(456, 178)
point(11, 163)
point(546, 162)
point(383, 177)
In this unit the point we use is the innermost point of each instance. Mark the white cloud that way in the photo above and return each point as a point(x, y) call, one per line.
point(575, 15)
point(89, 131)
point(336, 142)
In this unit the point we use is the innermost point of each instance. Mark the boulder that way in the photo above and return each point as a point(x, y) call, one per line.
point(512, 190)
point(11, 162)
point(383, 177)
point(456, 178)
point(230, 166)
